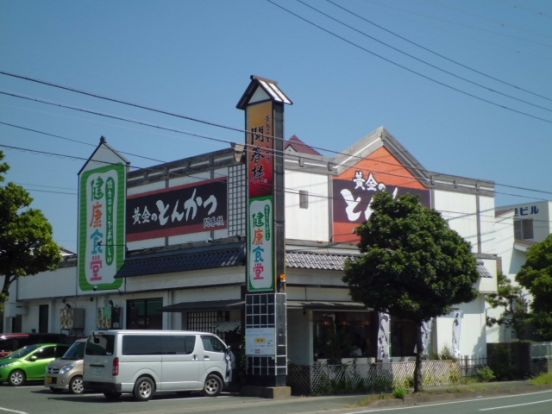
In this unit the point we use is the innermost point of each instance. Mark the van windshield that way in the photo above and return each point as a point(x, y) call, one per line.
point(75, 351)
point(100, 344)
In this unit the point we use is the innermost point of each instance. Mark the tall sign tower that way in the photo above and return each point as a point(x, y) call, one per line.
point(265, 303)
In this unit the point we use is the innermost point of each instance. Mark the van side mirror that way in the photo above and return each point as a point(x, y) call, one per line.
point(33, 358)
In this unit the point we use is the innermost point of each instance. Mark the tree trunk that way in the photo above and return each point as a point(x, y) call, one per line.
point(418, 377)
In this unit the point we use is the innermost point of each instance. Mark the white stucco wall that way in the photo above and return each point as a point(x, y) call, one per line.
point(460, 212)
point(473, 333)
point(312, 223)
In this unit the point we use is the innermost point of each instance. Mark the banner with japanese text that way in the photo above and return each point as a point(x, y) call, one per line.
point(354, 188)
point(184, 209)
point(102, 193)
point(260, 149)
point(261, 269)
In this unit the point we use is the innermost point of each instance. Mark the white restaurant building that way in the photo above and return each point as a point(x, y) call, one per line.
point(183, 264)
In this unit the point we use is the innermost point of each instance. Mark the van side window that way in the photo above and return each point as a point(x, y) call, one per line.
point(179, 344)
point(212, 344)
point(100, 345)
point(142, 345)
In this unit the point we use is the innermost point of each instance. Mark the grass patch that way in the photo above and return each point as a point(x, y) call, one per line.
point(543, 379)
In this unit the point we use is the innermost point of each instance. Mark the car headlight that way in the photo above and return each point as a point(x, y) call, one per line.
point(64, 370)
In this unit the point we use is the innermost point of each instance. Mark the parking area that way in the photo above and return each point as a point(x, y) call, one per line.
point(36, 399)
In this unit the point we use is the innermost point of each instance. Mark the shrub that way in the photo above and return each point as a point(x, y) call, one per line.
point(543, 379)
point(400, 392)
point(485, 374)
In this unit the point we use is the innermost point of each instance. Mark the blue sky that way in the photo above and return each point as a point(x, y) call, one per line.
point(195, 58)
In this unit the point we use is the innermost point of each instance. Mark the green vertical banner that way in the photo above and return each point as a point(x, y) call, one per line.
point(102, 202)
point(260, 243)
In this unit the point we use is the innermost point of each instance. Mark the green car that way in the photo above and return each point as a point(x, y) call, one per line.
point(29, 363)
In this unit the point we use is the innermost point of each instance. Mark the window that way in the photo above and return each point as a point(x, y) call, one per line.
point(43, 318)
point(100, 345)
point(523, 229)
point(142, 345)
point(60, 350)
point(46, 353)
point(205, 321)
point(303, 199)
point(179, 344)
point(145, 314)
point(344, 334)
point(210, 343)
point(403, 337)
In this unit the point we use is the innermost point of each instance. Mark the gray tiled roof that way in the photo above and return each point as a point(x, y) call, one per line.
point(181, 261)
point(312, 260)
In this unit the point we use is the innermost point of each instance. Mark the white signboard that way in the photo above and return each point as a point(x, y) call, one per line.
point(260, 341)
point(102, 226)
point(260, 272)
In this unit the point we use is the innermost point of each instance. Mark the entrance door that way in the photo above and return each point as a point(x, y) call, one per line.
point(43, 318)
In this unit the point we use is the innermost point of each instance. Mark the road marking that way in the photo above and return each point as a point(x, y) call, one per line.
point(412, 407)
point(12, 411)
point(515, 405)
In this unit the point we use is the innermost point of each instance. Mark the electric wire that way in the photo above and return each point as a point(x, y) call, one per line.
point(79, 91)
point(440, 55)
point(425, 62)
point(406, 68)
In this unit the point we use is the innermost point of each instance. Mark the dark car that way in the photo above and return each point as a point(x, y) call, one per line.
point(9, 342)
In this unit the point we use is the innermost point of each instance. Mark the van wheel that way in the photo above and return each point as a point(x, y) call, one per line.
point(112, 396)
point(143, 389)
point(212, 386)
point(76, 385)
point(16, 378)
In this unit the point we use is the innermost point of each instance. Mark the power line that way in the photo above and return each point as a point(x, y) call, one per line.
point(403, 67)
point(73, 140)
point(119, 101)
point(427, 49)
point(425, 62)
point(79, 91)
point(276, 153)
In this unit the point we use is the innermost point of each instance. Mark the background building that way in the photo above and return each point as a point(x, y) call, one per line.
point(184, 265)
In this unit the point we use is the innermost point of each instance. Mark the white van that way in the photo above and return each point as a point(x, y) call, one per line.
point(143, 362)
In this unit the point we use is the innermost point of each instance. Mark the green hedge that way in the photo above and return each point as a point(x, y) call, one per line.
point(510, 361)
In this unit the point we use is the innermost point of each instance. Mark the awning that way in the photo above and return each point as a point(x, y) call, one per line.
point(204, 305)
point(325, 305)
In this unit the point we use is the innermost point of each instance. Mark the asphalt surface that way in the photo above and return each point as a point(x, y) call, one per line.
point(36, 399)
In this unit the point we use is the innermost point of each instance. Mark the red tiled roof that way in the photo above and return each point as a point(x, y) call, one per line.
point(299, 146)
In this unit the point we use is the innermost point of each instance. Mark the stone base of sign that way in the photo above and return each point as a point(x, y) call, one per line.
point(275, 393)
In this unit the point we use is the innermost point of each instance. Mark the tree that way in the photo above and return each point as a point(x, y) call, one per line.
point(413, 265)
point(536, 276)
point(26, 243)
point(511, 300)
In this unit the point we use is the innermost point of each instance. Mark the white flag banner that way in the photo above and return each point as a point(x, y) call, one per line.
point(384, 336)
point(456, 331)
point(426, 336)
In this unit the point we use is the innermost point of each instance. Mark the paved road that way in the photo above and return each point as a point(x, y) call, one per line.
point(531, 403)
point(36, 399)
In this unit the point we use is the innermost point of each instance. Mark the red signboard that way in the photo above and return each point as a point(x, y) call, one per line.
point(191, 208)
point(260, 149)
point(354, 188)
